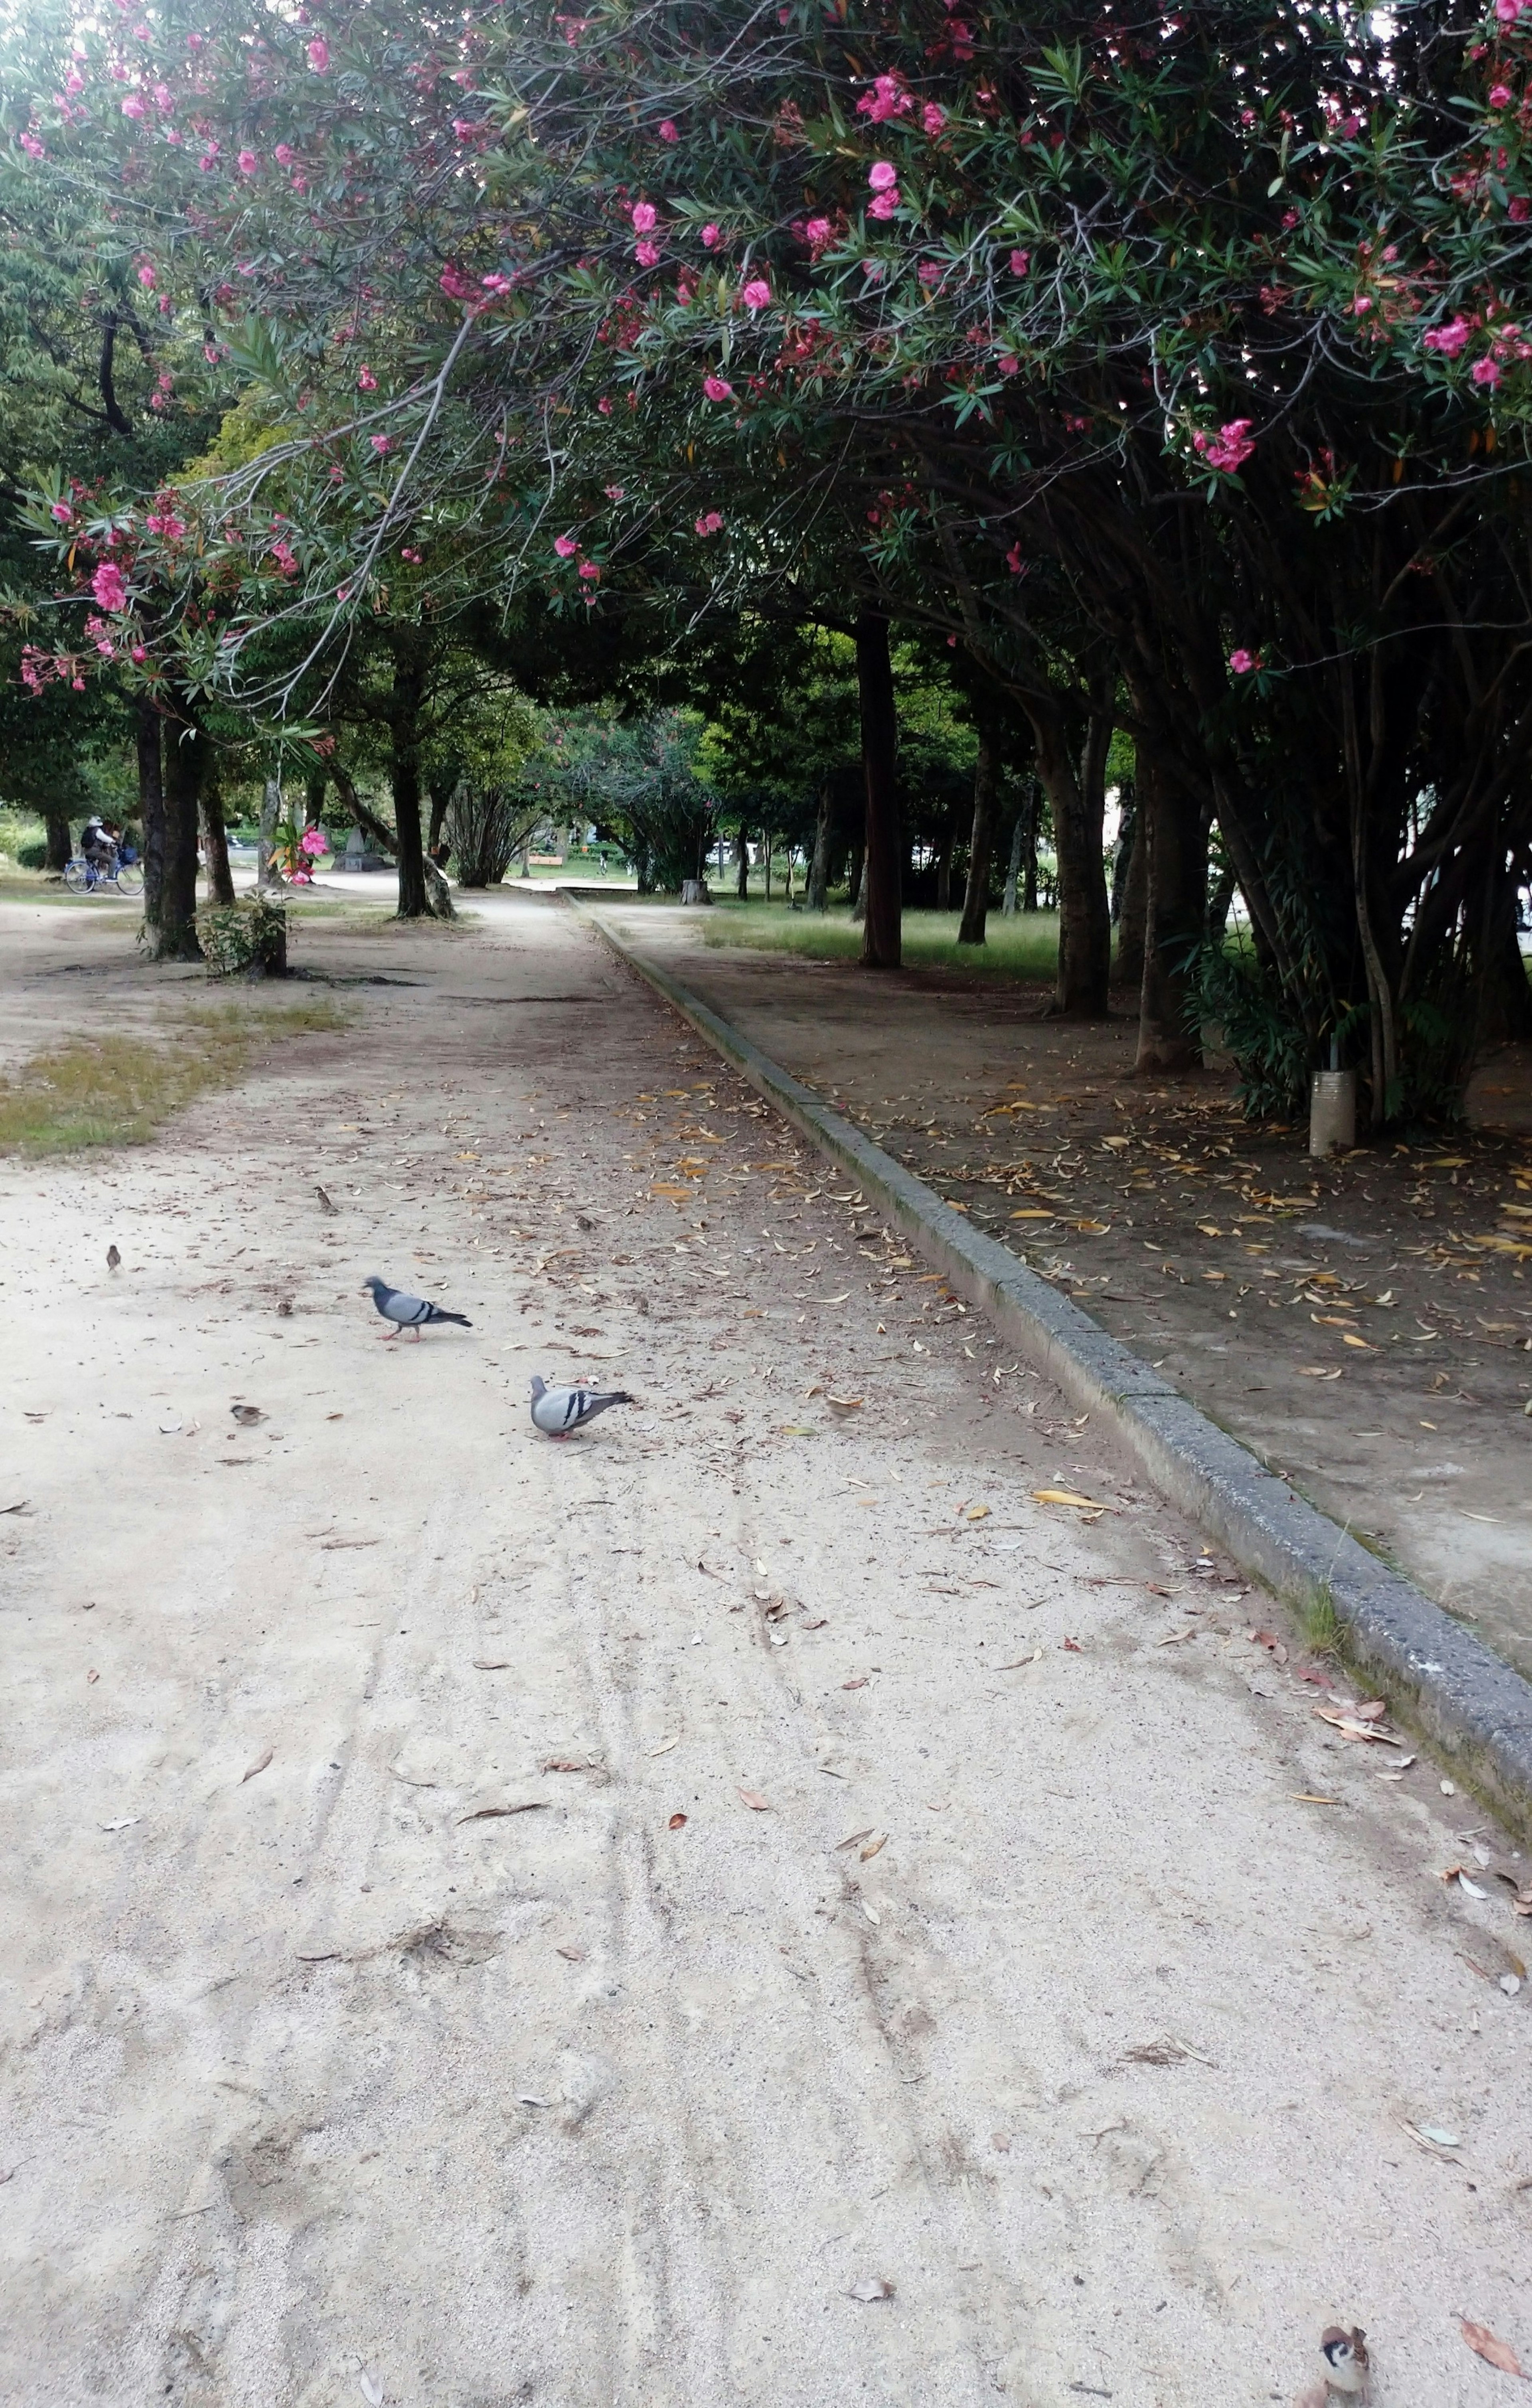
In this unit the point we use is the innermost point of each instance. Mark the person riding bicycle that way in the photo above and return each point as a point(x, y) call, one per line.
point(98, 843)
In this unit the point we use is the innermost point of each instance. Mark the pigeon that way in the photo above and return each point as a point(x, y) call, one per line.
point(1346, 2363)
point(560, 1411)
point(408, 1312)
point(113, 1258)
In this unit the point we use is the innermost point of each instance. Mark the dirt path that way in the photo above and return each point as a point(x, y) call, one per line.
point(323, 2083)
point(1365, 1324)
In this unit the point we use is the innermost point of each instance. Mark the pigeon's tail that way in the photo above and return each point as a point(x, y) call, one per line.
point(461, 1318)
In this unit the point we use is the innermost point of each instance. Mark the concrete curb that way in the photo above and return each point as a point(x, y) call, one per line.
point(1472, 1706)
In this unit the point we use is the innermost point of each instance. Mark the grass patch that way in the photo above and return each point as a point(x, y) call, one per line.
point(1321, 1625)
point(1023, 947)
point(120, 1089)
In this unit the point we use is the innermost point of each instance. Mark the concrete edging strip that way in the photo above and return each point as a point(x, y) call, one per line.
point(1460, 1695)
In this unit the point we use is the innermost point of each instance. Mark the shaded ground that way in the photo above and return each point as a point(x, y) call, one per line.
point(1363, 1324)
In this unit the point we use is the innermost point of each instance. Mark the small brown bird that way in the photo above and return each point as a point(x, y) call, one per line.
point(1347, 2366)
point(113, 1258)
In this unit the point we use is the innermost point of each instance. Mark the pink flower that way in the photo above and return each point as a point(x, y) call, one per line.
point(1008, 363)
point(929, 271)
point(133, 106)
point(616, 493)
point(756, 294)
point(1520, 210)
point(712, 237)
point(61, 511)
point(1228, 449)
point(382, 443)
point(319, 55)
point(668, 131)
point(1509, 10)
point(497, 284)
point(1349, 127)
point(343, 593)
point(932, 118)
point(1361, 305)
point(147, 277)
point(1014, 562)
point(645, 217)
point(209, 353)
point(818, 232)
point(566, 546)
point(886, 99)
point(1241, 662)
point(457, 286)
point(283, 154)
point(1486, 372)
point(109, 586)
point(716, 388)
point(884, 205)
point(1020, 261)
point(604, 405)
point(365, 381)
point(31, 144)
point(248, 162)
point(1448, 339)
point(709, 523)
point(1500, 95)
point(408, 552)
point(882, 176)
point(647, 255)
point(74, 81)
point(589, 570)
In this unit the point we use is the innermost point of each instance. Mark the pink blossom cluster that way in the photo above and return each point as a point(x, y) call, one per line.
point(39, 668)
point(285, 557)
point(1507, 12)
point(709, 523)
point(1242, 662)
point(888, 98)
point(716, 388)
point(166, 524)
point(756, 294)
point(1450, 340)
point(1228, 449)
point(109, 586)
point(884, 176)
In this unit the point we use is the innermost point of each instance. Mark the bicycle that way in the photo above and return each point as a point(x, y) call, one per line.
point(83, 877)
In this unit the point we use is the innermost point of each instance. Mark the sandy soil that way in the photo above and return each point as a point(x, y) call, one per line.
point(921, 1890)
point(1365, 1324)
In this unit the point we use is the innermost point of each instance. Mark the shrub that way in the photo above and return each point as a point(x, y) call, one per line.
point(244, 940)
point(32, 856)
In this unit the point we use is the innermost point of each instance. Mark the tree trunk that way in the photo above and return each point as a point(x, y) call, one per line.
point(1177, 841)
point(313, 798)
point(1029, 854)
point(856, 883)
point(741, 849)
point(976, 895)
point(215, 840)
point(146, 746)
point(268, 878)
point(765, 859)
point(883, 934)
point(1078, 795)
point(819, 869)
point(1133, 919)
point(404, 777)
point(1013, 867)
point(442, 800)
point(170, 931)
point(60, 843)
point(944, 867)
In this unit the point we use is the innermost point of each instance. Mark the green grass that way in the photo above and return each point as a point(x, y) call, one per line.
point(112, 1091)
point(1025, 947)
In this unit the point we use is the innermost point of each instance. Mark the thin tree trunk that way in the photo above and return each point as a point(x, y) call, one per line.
point(1029, 854)
point(741, 849)
point(60, 843)
point(313, 798)
point(883, 934)
point(819, 871)
point(765, 856)
point(976, 895)
point(215, 840)
point(146, 747)
point(268, 878)
point(857, 884)
point(1177, 841)
point(404, 777)
point(944, 867)
point(1128, 969)
point(441, 797)
point(1078, 795)
point(1013, 867)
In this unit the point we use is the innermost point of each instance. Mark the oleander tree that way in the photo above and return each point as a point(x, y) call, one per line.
point(1174, 364)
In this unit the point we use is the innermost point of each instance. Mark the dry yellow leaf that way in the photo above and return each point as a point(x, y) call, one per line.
point(1070, 1497)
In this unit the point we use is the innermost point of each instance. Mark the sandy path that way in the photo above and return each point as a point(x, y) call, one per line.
point(315, 2090)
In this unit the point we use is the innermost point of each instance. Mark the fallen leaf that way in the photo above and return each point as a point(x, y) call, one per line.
point(565, 1764)
point(1350, 1725)
point(126, 1823)
point(1070, 1497)
point(755, 1801)
point(979, 1512)
point(1373, 1711)
point(855, 1837)
point(1174, 1638)
point(1486, 2345)
point(675, 1823)
point(870, 1911)
point(871, 2286)
point(96, 1676)
point(665, 1746)
point(1472, 1887)
point(845, 1404)
point(1316, 1372)
point(18, 1506)
point(1311, 1798)
point(1073, 1647)
point(488, 1814)
point(576, 1955)
point(860, 1681)
point(259, 1765)
point(371, 2388)
point(1022, 1662)
point(874, 1847)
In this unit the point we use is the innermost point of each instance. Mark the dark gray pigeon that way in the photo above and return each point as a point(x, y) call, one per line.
point(408, 1312)
point(558, 1413)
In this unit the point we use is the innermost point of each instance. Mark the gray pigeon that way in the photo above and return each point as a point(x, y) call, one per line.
point(560, 1411)
point(408, 1312)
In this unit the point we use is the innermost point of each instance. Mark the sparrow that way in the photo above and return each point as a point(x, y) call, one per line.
point(1347, 2366)
point(113, 1258)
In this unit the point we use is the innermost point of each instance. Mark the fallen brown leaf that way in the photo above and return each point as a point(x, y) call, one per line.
point(1073, 1647)
point(259, 1765)
point(1070, 1497)
point(565, 1764)
point(753, 1800)
point(860, 1681)
point(488, 1814)
point(1488, 2346)
point(675, 1823)
point(874, 1847)
point(576, 1955)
